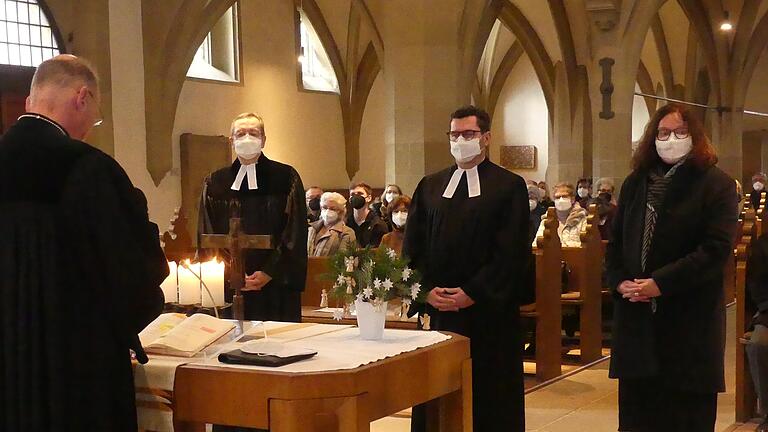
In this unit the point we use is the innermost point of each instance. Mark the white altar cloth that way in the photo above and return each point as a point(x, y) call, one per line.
point(338, 347)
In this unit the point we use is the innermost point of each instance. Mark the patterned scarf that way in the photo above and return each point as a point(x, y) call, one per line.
point(657, 190)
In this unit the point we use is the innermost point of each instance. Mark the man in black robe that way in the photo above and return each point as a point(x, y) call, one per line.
point(80, 265)
point(468, 236)
point(269, 198)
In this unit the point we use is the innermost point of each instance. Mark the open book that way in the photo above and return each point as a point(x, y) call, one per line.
point(177, 335)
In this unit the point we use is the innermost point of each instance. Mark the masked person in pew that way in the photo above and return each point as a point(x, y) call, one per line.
point(330, 234)
point(672, 234)
point(80, 264)
point(313, 203)
point(570, 214)
point(467, 234)
point(368, 227)
point(398, 211)
point(759, 181)
point(269, 198)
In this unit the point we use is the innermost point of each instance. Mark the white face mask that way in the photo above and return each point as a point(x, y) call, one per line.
point(583, 192)
point(329, 216)
point(465, 150)
point(532, 204)
point(248, 147)
point(563, 204)
point(672, 150)
point(758, 186)
point(390, 196)
point(399, 218)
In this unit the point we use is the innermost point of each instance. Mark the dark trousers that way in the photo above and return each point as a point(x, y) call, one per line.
point(497, 368)
point(757, 353)
point(650, 405)
point(273, 303)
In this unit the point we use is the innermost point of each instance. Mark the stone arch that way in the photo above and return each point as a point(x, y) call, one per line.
point(367, 71)
point(747, 53)
point(645, 83)
point(502, 73)
point(182, 26)
point(512, 17)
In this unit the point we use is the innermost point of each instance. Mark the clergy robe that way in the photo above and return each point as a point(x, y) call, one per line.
point(80, 268)
point(277, 208)
point(479, 244)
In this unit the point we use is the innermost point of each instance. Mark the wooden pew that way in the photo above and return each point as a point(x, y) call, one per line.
point(315, 283)
point(760, 213)
point(585, 287)
point(547, 310)
point(746, 397)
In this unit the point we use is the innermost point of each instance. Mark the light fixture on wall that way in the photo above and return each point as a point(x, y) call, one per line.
point(301, 56)
point(726, 25)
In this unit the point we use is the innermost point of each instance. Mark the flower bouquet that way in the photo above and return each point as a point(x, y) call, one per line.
point(370, 278)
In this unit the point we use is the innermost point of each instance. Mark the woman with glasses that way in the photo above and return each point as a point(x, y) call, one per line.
point(672, 233)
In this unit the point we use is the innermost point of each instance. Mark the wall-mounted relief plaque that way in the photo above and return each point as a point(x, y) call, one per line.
point(518, 157)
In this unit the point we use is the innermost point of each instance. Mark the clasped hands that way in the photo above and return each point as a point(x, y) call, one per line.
point(256, 281)
point(639, 290)
point(449, 299)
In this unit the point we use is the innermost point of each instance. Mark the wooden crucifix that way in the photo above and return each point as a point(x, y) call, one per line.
point(236, 242)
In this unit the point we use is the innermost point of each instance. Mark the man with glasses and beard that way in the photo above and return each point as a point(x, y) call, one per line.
point(468, 236)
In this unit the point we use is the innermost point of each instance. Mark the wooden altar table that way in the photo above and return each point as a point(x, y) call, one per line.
point(340, 400)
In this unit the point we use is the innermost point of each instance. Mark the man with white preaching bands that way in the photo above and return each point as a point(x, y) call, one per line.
point(467, 234)
point(269, 198)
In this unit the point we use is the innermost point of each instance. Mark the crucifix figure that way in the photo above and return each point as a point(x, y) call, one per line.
point(236, 242)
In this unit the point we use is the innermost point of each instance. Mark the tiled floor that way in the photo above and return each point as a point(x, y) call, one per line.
point(587, 401)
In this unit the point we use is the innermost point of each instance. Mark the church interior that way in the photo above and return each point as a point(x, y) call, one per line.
point(360, 91)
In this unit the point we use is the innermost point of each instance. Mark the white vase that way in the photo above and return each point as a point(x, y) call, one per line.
point(370, 319)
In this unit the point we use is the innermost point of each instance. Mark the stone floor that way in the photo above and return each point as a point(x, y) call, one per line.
point(587, 401)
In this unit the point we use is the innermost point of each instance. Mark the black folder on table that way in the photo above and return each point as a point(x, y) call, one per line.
point(242, 358)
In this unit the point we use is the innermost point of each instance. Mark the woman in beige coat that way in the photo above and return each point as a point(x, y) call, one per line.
point(329, 234)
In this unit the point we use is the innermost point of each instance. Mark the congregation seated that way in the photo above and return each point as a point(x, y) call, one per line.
point(570, 214)
point(398, 211)
point(391, 192)
point(368, 227)
point(606, 206)
point(759, 180)
point(584, 192)
point(329, 234)
point(537, 210)
point(312, 197)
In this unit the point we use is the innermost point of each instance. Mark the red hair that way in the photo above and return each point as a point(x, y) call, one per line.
point(702, 154)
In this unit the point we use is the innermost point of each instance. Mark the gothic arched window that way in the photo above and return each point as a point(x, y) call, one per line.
point(217, 58)
point(316, 69)
point(26, 35)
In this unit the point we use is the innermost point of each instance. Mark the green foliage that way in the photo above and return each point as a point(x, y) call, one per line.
point(375, 275)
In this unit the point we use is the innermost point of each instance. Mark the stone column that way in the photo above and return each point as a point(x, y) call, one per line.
point(421, 73)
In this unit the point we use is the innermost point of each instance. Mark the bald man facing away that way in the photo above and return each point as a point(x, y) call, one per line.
point(80, 264)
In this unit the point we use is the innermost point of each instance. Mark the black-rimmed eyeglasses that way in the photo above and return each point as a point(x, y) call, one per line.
point(663, 134)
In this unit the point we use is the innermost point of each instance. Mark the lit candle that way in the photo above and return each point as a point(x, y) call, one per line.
point(189, 284)
point(170, 285)
point(213, 276)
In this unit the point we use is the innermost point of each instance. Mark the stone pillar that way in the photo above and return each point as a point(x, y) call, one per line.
point(727, 130)
point(421, 73)
point(612, 138)
point(565, 159)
